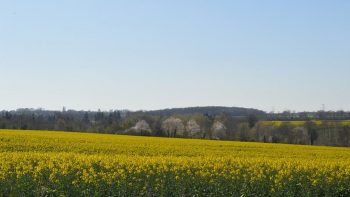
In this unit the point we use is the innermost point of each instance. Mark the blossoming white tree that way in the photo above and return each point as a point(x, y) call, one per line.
point(173, 127)
point(193, 129)
point(142, 127)
point(218, 130)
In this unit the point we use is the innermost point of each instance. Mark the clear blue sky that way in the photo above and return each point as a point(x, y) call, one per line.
point(158, 54)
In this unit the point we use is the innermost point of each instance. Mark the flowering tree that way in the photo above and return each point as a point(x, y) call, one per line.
point(193, 129)
point(142, 127)
point(218, 130)
point(173, 126)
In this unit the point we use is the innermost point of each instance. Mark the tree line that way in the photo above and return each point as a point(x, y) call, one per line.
point(319, 115)
point(200, 125)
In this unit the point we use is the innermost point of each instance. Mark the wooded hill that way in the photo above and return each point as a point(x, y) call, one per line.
point(209, 110)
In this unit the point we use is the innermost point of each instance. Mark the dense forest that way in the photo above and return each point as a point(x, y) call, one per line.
point(221, 123)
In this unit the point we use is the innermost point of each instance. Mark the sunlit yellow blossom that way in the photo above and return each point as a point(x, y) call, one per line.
point(34, 163)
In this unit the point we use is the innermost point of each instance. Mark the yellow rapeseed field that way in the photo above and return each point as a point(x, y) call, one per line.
point(302, 122)
point(46, 163)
